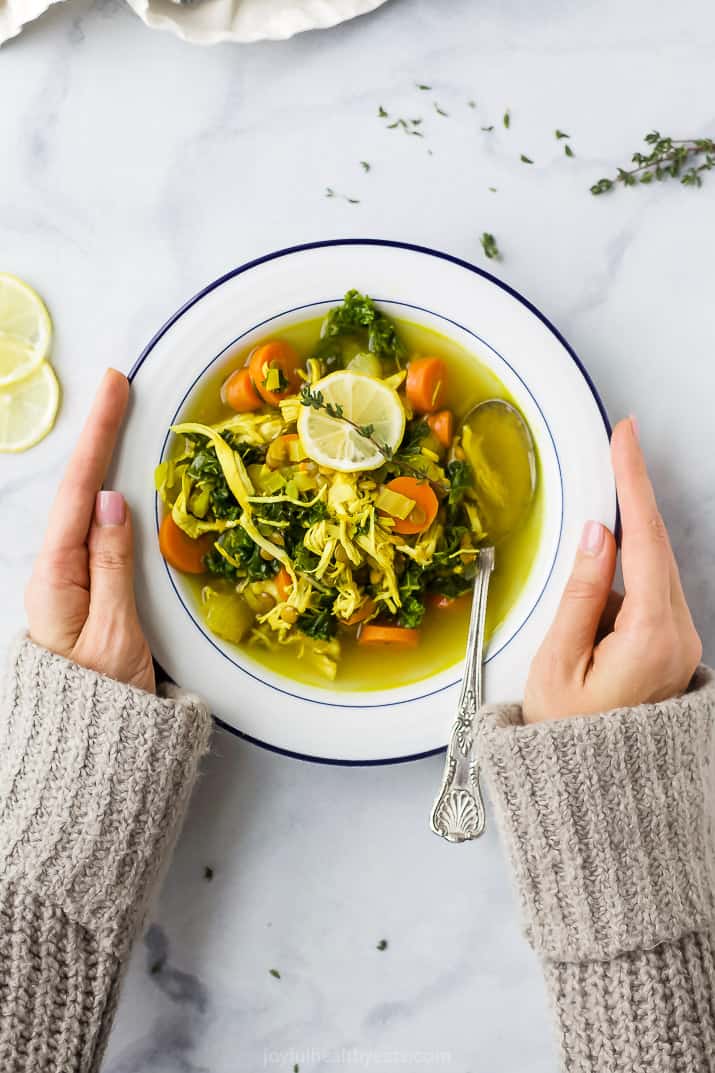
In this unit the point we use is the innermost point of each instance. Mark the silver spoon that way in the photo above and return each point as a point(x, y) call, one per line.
point(458, 813)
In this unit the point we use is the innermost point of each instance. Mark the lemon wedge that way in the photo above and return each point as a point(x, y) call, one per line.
point(25, 330)
point(28, 409)
point(335, 443)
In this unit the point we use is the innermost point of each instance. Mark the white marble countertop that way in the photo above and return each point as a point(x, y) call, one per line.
point(135, 169)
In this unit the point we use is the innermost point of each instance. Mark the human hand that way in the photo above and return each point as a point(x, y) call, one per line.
point(80, 598)
point(648, 647)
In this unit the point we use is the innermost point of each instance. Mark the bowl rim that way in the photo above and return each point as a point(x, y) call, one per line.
point(378, 242)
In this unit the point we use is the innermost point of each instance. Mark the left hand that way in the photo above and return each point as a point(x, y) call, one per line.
point(80, 598)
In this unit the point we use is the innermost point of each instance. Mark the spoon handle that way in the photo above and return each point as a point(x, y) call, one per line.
point(458, 812)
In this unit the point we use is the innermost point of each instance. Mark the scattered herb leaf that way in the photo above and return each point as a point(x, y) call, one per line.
point(421, 85)
point(669, 158)
point(493, 189)
point(561, 134)
point(507, 119)
point(382, 114)
point(472, 104)
point(440, 111)
point(382, 945)
point(525, 159)
point(329, 192)
point(488, 128)
point(568, 150)
point(364, 165)
point(274, 972)
point(489, 245)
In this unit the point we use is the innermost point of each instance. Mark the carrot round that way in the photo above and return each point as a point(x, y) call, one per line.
point(181, 551)
point(442, 426)
point(399, 636)
point(282, 357)
point(426, 384)
point(239, 393)
point(283, 583)
point(425, 509)
point(367, 609)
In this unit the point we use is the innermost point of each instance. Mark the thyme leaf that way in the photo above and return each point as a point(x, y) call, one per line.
point(489, 245)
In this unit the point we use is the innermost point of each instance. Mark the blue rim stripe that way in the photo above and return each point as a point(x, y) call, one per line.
point(414, 248)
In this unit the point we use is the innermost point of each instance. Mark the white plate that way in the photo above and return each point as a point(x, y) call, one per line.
point(208, 22)
point(489, 319)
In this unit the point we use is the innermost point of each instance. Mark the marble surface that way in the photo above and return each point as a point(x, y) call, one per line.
point(135, 169)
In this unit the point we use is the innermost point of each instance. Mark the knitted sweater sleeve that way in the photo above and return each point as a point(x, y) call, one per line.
point(94, 781)
point(608, 822)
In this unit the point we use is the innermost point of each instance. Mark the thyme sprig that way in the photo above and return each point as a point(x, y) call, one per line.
point(316, 400)
point(669, 158)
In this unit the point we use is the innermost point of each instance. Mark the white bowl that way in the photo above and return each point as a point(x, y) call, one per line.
point(502, 330)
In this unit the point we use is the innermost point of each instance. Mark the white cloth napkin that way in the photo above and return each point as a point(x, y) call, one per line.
point(206, 22)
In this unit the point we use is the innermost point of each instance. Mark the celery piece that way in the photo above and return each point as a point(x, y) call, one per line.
point(368, 364)
point(394, 503)
point(227, 615)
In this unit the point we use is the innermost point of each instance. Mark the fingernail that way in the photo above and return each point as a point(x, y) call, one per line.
point(592, 538)
point(636, 427)
point(110, 508)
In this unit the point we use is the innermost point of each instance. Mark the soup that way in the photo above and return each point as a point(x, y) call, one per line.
point(326, 504)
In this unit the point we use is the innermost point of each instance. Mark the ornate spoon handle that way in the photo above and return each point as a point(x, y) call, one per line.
point(458, 813)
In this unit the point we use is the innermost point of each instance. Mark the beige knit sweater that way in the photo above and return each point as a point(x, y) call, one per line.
point(607, 820)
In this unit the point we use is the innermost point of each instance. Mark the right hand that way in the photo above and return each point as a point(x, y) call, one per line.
point(648, 647)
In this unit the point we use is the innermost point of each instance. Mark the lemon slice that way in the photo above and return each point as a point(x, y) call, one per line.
point(28, 409)
point(25, 330)
point(336, 444)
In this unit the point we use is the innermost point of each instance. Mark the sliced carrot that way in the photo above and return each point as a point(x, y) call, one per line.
point(182, 551)
point(399, 636)
point(425, 509)
point(239, 393)
point(426, 384)
point(283, 583)
point(442, 426)
point(447, 603)
point(284, 359)
point(367, 609)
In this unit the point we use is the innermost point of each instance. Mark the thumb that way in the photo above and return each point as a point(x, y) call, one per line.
point(572, 636)
point(110, 554)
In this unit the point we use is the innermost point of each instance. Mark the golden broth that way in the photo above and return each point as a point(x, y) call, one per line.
point(443, 632)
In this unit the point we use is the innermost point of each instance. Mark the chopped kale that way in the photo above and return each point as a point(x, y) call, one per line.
point(411, 591)
point(358, 317)
point(320, 623)
point(411, 444)
point(241, 547)
point(460, 479)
